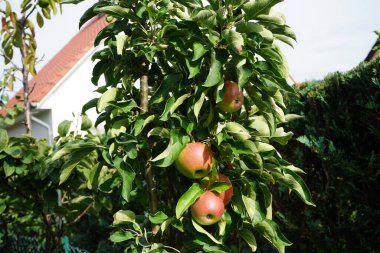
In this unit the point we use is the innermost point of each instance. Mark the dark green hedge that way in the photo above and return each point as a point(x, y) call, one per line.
point(338, 145)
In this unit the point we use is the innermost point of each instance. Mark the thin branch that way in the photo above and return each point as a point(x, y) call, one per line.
point(10, 60)
point(30, 13)
point(32, 89)
point(168, 247)
point(77, 219)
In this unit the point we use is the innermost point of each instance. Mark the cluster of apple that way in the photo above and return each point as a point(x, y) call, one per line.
point(195, 162)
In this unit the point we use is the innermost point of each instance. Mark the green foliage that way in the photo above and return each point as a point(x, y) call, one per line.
point(45, 193)
point(338, 144)
point(186, 50)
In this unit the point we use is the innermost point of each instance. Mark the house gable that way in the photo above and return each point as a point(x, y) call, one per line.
point(52, 73)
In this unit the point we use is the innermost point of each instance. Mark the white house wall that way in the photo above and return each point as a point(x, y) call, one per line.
point(67, 98)
point(39, 131)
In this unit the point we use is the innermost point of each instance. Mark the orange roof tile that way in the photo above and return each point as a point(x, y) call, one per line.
point(62, 62)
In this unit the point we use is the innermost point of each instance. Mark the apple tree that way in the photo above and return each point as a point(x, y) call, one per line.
point(18, 38)
point(191, 101)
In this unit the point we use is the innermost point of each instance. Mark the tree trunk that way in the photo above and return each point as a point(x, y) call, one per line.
point(25, 77)
point(49, 244)
point(149, 172)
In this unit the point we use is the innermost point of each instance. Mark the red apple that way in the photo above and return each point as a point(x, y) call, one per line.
point(195, 160)
point(233, 97)
point(227, 194)
point(208, 209)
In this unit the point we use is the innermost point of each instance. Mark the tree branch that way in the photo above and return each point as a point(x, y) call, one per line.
point(10, 61)
point(30, 13)
point(77, 219)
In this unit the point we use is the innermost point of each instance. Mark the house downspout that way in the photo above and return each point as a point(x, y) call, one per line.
point(50, 132)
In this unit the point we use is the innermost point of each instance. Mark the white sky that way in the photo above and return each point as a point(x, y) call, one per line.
point(333, 35)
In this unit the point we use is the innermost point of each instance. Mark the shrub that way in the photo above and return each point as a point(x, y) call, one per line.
point(338, 144)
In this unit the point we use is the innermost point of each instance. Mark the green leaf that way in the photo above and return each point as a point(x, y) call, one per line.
point(215, 75)
point(176, 143)
point(46, 13)
point(72, 162)
point(252, 27)
point(199, 103)
point(294, 182)
point(9, 168)
point(40, 20)
point(127, 175)
point(284, 39)
point(72, 147)
point(166, 224)
point(123, 216)
point(89, 13)
point(116, 11)
point(253, 210)
point(219, 187)
point(253, 9)
point(64, 128)
point(15, 151)
point(201, 230)
point(194, 67)
point(206, 18)
point(165, 29)
point(244, 73)
point(187, 199)
point(106, 98)
point(179, 102)
point(294, 169)
point(273, 17)
point(121, 236)
point(291, 117)
point(71, 1)
point(234, 39)
point(158, 217)
point(94, 176)
point(121, 38)
point(270, 230)
point(260, 124)
point(159, 131)
point(199, 50)
point(248, 238)
point(267, 196)
point(142, 122)
point(2, 208)
point(8, 8)
point(90, 104)
point(282, 137)
point(184, 122)
point(165, 114)
point(3, 139)
point(238, 131)
point(86, 123)
point(128, 105)
point(169, 84)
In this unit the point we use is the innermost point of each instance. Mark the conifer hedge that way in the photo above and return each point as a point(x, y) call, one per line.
point(338, 145)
